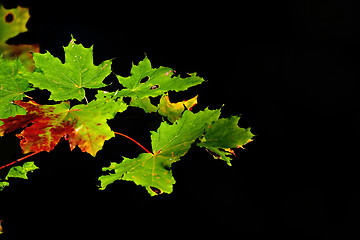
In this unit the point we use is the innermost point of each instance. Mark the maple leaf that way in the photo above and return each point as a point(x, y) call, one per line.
point(146, 81)
point(21, 171)
point(13, 84)
point(143, 103)
point(169, 143)
point(83, 125)
point(223, 135)
point(68, 81)
point(12, 22)
point(18, 172)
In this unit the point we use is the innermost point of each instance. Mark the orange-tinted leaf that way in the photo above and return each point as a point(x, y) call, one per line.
point(83, 125)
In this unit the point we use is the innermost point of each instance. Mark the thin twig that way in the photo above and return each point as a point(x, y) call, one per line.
point(19, 160)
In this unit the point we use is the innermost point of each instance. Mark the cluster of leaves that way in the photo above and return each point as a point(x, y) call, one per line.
point(85, 125)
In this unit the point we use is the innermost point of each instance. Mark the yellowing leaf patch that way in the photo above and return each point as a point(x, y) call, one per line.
point(82, 125)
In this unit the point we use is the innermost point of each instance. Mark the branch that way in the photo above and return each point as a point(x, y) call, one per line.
point(19, 160)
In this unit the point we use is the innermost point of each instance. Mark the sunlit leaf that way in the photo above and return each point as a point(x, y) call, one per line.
point(68, 80)
point(21, 171)
point(169, 143)
point(13, 84)
point(146, 81)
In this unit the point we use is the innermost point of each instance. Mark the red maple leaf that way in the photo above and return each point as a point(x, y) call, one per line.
point(83, 125)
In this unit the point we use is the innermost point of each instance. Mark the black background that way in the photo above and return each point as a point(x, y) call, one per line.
point(291, 70)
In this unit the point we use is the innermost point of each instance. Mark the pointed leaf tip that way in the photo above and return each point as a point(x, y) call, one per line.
point(70, 79)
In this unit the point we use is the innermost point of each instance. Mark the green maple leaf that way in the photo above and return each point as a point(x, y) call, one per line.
point(223, 135)
point(18, 172)
point(83, 125)
point(21, 171)
point(144, 103)
point(2, 186)
point(68, 81)
point(169, 143)
point(13, 84)
point(146, 81)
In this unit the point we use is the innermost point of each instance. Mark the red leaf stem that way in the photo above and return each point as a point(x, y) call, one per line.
point(133, 141)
